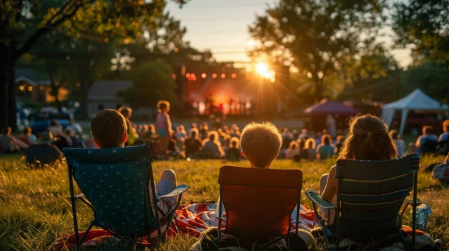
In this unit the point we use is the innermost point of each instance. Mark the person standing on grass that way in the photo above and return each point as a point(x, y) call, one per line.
point(127, 112)
point(109, 129)
point(163, 126)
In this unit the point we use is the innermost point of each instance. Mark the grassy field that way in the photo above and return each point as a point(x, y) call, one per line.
point(34, 211)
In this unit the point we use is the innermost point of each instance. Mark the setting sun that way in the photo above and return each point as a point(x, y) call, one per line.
point(264, 71)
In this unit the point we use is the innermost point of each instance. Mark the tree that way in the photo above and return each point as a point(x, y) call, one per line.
point(102, 19)
point(424, 24)
point(374, 77)
point(152, 82)
point(430, 77)
point(316, 37)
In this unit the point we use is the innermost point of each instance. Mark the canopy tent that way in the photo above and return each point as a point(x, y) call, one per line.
point(330, 107)
point(417, 100)
point(317, 115)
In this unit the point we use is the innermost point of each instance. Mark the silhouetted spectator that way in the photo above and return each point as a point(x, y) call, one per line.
point(193, 144)
point(43, 151)
point(233, 153)
point(212, 147)
point(8, 143)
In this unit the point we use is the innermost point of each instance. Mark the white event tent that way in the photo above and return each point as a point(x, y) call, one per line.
point(417, 100)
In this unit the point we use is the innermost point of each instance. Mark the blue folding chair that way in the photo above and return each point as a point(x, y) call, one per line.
point(115, 185)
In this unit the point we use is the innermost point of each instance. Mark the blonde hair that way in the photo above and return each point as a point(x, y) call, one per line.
point(368, 139)
point(306, 145)
point(261, 143)
point(162, 104)
point(293, 143)
point(234, 140)
point(125, 111)
point(326, 139)
point(446, 125)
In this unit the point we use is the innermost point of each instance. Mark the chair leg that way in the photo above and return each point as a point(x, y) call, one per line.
point(326, 238)
point(404, 241)
point(84, 235)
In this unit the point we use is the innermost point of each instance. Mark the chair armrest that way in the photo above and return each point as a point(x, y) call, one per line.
point(78, 196)
point(179, 190)
point(82, 198)
point(409, 200)
point(317, 199)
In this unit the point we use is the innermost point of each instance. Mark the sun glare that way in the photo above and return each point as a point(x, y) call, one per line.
point(263, 70)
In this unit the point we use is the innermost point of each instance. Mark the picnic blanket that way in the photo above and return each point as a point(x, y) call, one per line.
point(192, 220)
point(196, 218)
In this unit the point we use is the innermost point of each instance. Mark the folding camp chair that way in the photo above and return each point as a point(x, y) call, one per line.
point(115, 185)
point(370, 195)
point(259, 203)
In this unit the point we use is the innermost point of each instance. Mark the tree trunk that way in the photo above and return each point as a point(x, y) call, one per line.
point(55, 90)
point(57, 101)
point(4, 86)
point(85, 85)
point(7, 82)
point(318, 94)
point(12, 96)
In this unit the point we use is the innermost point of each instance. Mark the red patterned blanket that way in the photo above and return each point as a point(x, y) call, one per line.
point(192, 220)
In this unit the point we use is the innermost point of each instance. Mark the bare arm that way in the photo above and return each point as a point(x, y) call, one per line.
point(331, 186)
point(418, 142)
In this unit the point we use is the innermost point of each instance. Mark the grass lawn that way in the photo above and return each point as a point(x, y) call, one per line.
point(34, 211)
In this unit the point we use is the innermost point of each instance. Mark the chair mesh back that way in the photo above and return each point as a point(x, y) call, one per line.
point(371, 194)
point(116, 182)
point(259, 202)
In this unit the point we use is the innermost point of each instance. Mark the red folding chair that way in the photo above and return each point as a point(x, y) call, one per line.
point(259, 203)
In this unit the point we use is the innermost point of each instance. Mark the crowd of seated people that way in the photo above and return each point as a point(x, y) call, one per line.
point(46, 148)
point(311, 147)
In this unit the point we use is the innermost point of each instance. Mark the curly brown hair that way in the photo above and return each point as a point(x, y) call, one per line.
point(368, 139)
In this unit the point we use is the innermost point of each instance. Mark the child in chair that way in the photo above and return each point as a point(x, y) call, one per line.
point(260, 144)
point(109, 129)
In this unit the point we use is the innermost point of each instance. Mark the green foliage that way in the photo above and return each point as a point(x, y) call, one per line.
point(152, 82)
point(34, 210)
point(317, 37)
point(430, 77)
point(375, 77)
point(425, 25)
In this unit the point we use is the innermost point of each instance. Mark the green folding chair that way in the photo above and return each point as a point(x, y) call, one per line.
point(115, 185)
point(370, 196)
